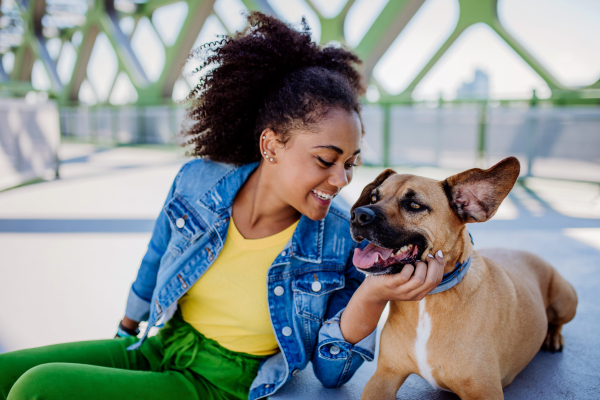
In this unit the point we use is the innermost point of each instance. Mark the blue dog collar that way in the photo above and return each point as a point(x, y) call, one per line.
point(455, 276)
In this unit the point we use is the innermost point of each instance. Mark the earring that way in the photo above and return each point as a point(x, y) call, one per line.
point(264, 137)
point(270, 159)
point(265, 152)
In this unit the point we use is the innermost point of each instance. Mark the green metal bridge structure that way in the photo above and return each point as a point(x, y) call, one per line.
point(35, 34)
point(85, 20)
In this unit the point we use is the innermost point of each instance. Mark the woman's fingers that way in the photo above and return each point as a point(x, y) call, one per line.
point(415, 282)
point(404, 275)
point(440, 259)
point(435, 273)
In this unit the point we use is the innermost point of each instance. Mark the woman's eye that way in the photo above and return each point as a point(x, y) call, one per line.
point(414, 205)
point(373, 199)
point(348, 166)
point(327, 164)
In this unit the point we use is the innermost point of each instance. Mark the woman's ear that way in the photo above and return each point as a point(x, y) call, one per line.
point(476, 194)
point(268, 144)
point(365, 196)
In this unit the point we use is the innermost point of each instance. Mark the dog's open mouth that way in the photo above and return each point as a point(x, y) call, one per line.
point(378, 260)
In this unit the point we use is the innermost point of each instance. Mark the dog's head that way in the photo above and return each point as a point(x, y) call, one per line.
point(404, 217)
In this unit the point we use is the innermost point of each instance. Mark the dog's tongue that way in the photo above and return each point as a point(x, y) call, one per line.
point(368, 256)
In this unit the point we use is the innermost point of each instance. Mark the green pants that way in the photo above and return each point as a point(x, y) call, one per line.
point(178, 363)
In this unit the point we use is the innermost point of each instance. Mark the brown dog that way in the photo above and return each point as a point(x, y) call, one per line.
point(474, 338)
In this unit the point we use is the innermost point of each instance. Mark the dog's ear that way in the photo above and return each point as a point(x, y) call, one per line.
point(365, 196)
point(476, 194)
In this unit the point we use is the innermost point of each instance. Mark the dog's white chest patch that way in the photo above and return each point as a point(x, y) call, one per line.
point(423, 332)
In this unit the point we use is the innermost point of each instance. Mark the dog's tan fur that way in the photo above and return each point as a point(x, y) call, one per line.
point(486, 329)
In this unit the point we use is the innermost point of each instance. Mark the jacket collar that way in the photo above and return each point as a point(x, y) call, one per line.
point(307, 240)
point(220, 197)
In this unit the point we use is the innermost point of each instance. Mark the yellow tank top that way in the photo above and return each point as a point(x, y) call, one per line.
point(229, 302)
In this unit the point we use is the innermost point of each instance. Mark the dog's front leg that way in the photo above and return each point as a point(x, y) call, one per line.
point(383, 385)
point(477, 389)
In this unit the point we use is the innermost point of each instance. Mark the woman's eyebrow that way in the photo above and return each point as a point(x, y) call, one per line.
point(335, 148)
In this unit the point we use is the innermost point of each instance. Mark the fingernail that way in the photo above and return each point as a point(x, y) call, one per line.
point(439, 254)
point(429, 255)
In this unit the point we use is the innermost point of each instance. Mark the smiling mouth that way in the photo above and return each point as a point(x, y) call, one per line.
point(322, 195)
point(377, 260)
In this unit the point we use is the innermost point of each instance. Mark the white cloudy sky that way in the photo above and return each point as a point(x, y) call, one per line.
point(562, 34)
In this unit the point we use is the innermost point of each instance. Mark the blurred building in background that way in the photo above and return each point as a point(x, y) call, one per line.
point(114, 68)
point(478, 88)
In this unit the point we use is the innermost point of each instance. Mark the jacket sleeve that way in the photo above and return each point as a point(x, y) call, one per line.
point(140, 295)
point(335, 360)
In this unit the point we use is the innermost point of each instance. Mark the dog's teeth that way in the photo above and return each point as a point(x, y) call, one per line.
point(404, 249)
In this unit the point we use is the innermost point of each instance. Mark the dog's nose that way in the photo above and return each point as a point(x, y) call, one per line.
point(362, 216)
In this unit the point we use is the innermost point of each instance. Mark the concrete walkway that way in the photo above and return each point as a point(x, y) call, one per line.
point(70, 249)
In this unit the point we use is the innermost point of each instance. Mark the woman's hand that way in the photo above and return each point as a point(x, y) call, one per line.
point(127, 327)
point(364, 309)
point(406, 286)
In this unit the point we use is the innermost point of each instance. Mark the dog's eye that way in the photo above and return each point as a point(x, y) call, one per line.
point(414, 205)
point(374, 199)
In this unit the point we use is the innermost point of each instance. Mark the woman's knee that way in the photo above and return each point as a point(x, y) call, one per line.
point(40, 383)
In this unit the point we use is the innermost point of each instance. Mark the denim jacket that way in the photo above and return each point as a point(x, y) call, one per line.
point(308, 285)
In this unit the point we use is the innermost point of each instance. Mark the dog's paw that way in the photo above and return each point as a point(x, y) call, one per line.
point(554, 340)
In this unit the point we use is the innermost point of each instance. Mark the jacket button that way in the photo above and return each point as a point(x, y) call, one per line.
point(180, 222)
point(316, 286)
point(334, 350)
point(283, 253)
point(295, 372)
point(278, 290)
point(286, 331)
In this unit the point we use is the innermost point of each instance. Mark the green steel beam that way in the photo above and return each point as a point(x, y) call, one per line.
point(386, 28)
point(150, 6)
point(332, 29)
point(176, 55)
point(108, 19)
point(259, 5)
point(481, 11)
point(89, 33)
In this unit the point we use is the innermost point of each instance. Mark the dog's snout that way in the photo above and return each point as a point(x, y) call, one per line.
point(362, 216)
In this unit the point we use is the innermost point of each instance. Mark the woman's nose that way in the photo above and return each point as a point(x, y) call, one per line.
point(339, 177)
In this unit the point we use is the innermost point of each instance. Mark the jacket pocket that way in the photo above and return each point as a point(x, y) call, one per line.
point(184, 220)
point(312, 291)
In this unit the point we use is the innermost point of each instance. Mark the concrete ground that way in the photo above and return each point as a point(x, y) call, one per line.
point(70, 248)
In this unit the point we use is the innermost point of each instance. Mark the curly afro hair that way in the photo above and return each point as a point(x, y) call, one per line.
point(268, 76)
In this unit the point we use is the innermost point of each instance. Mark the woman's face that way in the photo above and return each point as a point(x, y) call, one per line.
point(313, 166)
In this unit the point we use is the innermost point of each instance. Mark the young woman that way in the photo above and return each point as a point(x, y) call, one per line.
point(250, 263)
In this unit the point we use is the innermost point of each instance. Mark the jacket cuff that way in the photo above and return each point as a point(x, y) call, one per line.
point(333, 346)
point(137, 308)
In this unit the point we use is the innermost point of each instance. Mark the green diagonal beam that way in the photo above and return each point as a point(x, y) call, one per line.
point(474, 12)
point(198, 12)
point(386, 28)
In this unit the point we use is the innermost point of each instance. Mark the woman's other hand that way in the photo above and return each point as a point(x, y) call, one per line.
point(127, 327)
